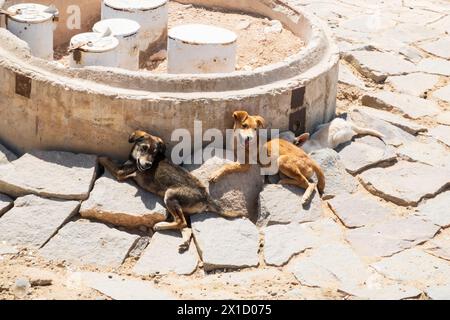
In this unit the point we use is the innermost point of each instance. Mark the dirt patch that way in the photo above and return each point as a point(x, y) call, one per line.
point(260, 41)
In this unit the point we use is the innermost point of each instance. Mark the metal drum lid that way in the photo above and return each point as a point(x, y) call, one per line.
point(97, 43)
point(202, 34)
point(30, 13)
point(134, 5)
point(118, 27)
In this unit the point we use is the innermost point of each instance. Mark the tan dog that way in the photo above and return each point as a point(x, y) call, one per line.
point(292, 162)
point(183, 193)
point(333, 134)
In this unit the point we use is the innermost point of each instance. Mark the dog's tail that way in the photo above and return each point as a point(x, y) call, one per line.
point(214, 207)
point(370, 132)
point(320, 176)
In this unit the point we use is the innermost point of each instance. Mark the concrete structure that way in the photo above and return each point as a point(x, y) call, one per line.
point(152, 16)
point(47, 106)
point(127, 32)
point(198, 48)
point(32, 23)
point(96, 51)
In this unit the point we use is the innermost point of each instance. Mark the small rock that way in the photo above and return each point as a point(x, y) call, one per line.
point(386, 238)
point(34, 220)
point(396, 120)
point(412, 107)
point(122, 204)
point(415, 84)
point(225, 243)
point(39, 277)
point(89, 243)
point(21, 288)
point(337, 181)
point(441, 133)
point(55, 174)
point(359, 210)
point(280, 204)
point(153, 262)
point(379, 65)
point(365, 153)
point(243, 25)
point(140, 246)
point(436, 210)
point(405, 183)
point(414, 265)
point(282, 242)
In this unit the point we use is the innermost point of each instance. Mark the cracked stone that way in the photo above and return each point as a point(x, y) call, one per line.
point(386, 292)
point(412, 107)
point(224, 243)
point(396, 120)
point(405, 183)
point(338, 180)
point(89, 243)
point(282, 242)
point(414, 265)
point(346, 76)
point(280, 204)
point(122, 204)
point(438, 47)
point(439, 247)
point(430, 152)
point(415, 84)
point(387, 238)
point(443, 93)
point(441, 133)
point(444, 118)
point(359, 210)
point(51, 174)
point(393, 135)
point(330, 266)
point(34, 220)
point(436, 209)
point(379, 65)
point(153, 262)
point(365, 153)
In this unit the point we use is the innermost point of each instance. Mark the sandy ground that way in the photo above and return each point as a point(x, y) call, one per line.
point(255, 47)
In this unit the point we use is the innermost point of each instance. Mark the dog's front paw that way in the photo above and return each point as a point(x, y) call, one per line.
point(183, 247)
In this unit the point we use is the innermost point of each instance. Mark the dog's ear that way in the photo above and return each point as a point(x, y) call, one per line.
point(161, 146)
point(137, 136)
point(301, 139)
point(240, 116)
point(260, 121)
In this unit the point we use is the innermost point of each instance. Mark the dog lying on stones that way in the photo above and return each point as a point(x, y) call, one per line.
point(292, 161)
point(332, 134)
point(183, 193)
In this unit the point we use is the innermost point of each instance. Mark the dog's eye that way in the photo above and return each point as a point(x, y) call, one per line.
point(144, 148)
point(245, 126)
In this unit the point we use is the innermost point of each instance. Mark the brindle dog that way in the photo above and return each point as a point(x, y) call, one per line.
point(182, 192)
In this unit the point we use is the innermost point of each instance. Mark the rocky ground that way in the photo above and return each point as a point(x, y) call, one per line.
point(380, 231)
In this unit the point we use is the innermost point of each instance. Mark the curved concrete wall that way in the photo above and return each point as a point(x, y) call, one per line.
point(46, 106)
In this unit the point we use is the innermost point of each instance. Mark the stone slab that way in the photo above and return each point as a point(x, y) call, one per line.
point(415, 84)
point(122, 204)
point(429, 151)
point(162, 256)
point(441, 133)
point(359, 210)
point(225, 243)
point(412, 107)
point(346, 76)
point(440, 292)
point(437, 210)
point(6, 156)
point(55, 174)
point(282, 242)
point(387, 238)
point(405, 183)
point(439, 247)
point(280, 204)
point(439, 47)
point(387, 292)
point(34, 220)
point(443, 118)
point(434, 66)
point(89, 243)
point(442, 94)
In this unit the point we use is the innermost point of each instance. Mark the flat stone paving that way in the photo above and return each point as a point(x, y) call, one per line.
point(380, 231)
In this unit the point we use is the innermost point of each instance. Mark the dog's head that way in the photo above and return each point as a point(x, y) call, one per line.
point(146, 149)
point(301, 139)
point(246, 127)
